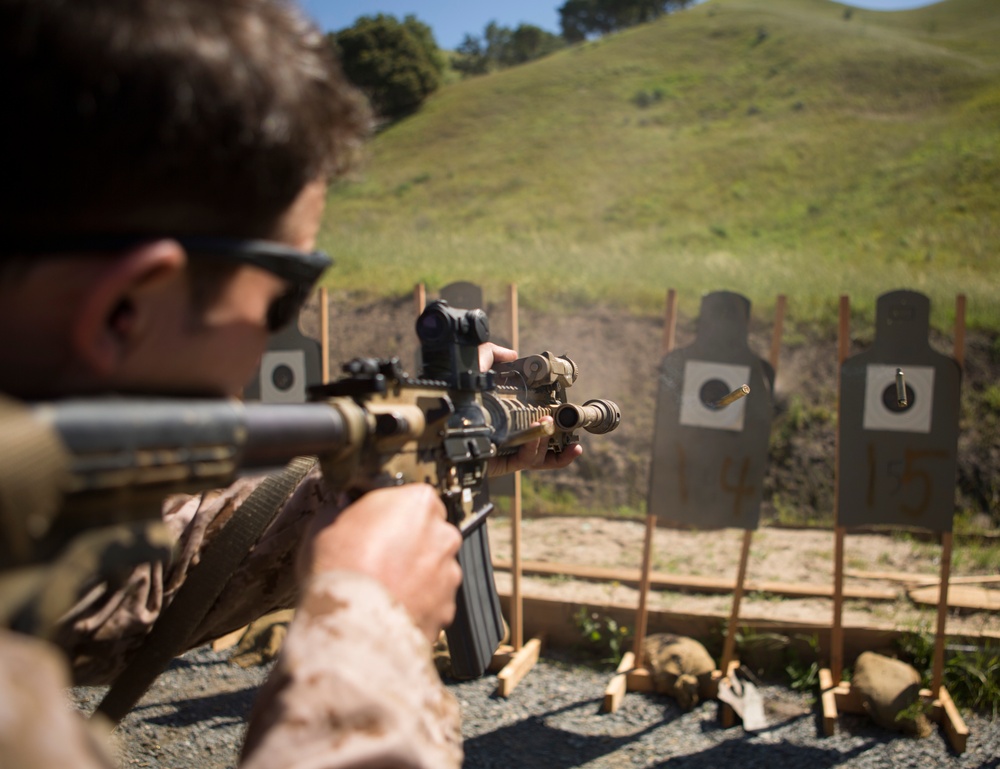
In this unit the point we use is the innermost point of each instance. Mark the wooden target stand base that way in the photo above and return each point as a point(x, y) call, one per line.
point(512, 662)
point(631, 674)
point(840, 698)
point(630, 677)
point(511, 665)
point(836, 695)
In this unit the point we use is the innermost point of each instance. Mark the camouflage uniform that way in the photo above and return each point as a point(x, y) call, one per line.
point(355, 684)
point(103, 630)
point(37, 730)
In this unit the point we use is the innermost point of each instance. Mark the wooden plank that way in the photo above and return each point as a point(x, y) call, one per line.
point(641, 612)
point(890, 576)
point(829, 701)
point(500, 657)
point(937, 672)
point(670, 322)
point(836, 626)
point(618, 685)
point(517, 600)
point(848, 699)
point(959, 597)
point(522, 661)
point(951, 721)
point(971, 579)
point(959, 351)
point(779, 326)
point(923, 580)
point(639, 680)
point(324, 333)
point(555, 621)
point(664, 581)
point(729, 646)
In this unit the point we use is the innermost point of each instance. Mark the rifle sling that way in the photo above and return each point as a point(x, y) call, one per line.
point(33, 471)
point(177, 623)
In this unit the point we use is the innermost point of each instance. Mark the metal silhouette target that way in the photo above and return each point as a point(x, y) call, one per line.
point(291, 365)
point(899, 405)
point(464, 295)
point(710, 455)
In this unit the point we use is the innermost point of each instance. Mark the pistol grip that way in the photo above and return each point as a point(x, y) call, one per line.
point(478, 627)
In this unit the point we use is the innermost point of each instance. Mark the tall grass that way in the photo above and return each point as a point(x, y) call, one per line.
point(629, 270)
point(761, 146)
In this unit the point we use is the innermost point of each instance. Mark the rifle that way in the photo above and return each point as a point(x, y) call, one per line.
point(376, 426)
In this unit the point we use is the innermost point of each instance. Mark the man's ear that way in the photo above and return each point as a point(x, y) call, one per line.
point(119, 308)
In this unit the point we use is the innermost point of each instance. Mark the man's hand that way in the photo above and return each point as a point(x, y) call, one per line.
point(400, 537)
point(534, 455)
point(490, 353)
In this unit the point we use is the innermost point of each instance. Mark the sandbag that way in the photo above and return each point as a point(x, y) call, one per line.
point(681, 667)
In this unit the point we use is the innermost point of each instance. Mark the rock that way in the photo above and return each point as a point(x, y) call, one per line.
point(681, 667)
point(890, 693)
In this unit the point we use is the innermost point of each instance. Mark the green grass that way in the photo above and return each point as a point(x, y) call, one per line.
point(970, 673)
point(761, 146)
point(976, 557)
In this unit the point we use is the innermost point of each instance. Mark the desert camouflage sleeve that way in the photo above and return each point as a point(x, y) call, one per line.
point(102, 631)
point(37, 729)
point(354, 686)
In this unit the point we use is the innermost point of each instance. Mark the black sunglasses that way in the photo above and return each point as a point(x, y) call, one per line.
point(300, 269)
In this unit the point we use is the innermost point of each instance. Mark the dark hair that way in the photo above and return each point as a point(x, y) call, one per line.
point(166, 116)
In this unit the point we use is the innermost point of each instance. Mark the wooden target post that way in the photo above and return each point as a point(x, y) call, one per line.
point(420, 297)
point(324, 333)
point(632, 675)
point(897, 407)
point(516, 660)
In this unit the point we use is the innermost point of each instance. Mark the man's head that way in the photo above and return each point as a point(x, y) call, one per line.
point(145, 116)
point(142, 126)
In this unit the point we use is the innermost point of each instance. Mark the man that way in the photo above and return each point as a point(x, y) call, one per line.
point(164, 174)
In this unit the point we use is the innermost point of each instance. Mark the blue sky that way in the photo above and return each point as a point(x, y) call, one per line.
point(452, 20)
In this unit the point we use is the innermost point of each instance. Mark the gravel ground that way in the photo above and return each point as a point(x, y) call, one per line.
point(194, 717)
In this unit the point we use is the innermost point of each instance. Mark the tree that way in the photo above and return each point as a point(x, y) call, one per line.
point(502, 47)
point(581, 19)
point(425, 36)
point(472, 58)
point(397, 64)
point(529, 42)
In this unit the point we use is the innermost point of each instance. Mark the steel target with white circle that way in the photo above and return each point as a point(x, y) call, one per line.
point(898, 424)
point(283, 377)
point(291, 364)
point(705, 383)
point(714, 408)
point(882, 411)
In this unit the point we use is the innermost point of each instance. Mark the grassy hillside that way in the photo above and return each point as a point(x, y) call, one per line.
point(762, 146)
